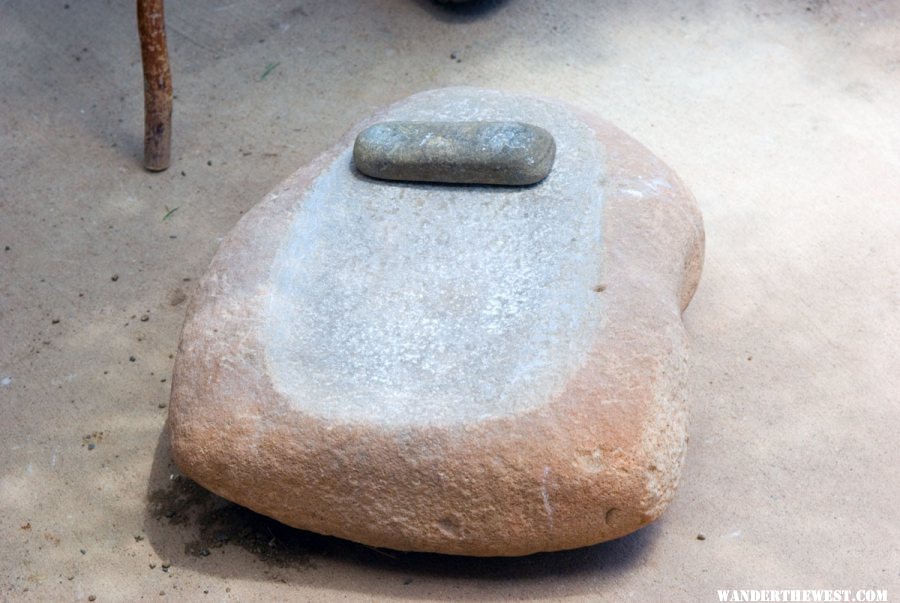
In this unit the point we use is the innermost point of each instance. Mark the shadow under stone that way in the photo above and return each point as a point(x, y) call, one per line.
point(192, 527)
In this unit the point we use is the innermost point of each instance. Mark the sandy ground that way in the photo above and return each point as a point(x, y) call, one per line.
point(782, 117)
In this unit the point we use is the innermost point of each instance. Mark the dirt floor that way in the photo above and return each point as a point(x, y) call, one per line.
point(782, 117)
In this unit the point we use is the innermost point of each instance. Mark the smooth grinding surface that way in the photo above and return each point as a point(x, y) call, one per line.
point(475, 152)
point(418, 304)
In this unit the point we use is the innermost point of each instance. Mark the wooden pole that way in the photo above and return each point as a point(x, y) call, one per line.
point(157, 85)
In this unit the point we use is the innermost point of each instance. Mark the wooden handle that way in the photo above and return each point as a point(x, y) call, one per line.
point(157, 85)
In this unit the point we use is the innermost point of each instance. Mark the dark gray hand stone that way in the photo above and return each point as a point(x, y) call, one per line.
point(479, 152)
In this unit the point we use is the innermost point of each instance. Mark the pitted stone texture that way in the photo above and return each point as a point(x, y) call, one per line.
point(475, 152)
point(455, 369)
point(431, 305)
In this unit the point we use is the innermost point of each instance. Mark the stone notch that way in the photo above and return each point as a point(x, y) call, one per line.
point(477, 152)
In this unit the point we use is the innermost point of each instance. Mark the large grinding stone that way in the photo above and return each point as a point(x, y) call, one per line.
point(461, 369)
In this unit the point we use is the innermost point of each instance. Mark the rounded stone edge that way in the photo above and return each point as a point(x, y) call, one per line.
point(210, 467)
point(511, 170)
